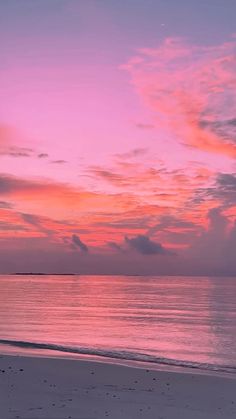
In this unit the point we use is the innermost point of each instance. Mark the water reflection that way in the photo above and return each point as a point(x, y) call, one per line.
point(175, 317)
point(222, 317)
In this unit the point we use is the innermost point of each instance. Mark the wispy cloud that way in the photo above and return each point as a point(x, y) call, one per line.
point(5, 226)
point(37, 222)
point(17, 152)
point(43, 155)
point(58, 161)
point(132, 154)
point(5, 204)
point(144, 126)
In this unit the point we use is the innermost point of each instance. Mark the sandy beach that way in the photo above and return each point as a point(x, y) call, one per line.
point(32, 388)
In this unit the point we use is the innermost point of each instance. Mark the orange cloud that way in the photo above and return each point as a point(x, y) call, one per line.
point(43, 208)
point(48, 196)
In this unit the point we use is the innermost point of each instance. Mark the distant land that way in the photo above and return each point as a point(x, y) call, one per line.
point(41, 273)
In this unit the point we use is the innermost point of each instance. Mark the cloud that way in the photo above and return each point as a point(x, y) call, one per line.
point(115, 246)
point(218, 222)
point(177, 232)
point(54, 230)
point(214, 249)
point(37, 222)
point(38, 189)
point(17, 152)
point(6, 205)
point(225, 129)
point(227, 181)
point(43, 155)
point(171, 221)
point(9, 137)
point(108, 175)
point(223, 191)
point(136, 152)
point(144, 126)
point(133, 177)
point(129, 223)
point(77, 242)
point(58, 161)
point(225, 188)
point(4, 226)
point(191, 90)
point(144, 245)
point(55, 199)
point(10, 184)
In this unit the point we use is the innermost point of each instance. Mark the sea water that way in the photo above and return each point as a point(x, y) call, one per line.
point(179, 321)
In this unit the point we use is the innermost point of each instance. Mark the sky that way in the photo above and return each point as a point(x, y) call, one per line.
point(118, 136)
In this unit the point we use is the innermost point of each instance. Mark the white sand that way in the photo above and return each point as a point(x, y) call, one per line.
point(56, 388)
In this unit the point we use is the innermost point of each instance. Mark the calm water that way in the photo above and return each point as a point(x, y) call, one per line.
point(172, 320)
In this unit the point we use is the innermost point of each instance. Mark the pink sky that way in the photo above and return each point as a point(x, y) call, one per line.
point(115, 152)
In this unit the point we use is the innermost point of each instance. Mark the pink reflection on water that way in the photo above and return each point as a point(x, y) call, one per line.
point(174, 317)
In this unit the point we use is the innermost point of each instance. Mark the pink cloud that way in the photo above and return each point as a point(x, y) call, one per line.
point(191, 90)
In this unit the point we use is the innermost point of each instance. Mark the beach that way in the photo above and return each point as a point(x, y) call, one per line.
point(49, 388)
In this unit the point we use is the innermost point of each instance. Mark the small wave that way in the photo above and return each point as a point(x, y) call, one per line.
point(122, 355)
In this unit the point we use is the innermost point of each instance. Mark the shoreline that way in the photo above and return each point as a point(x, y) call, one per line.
point(57, 388)
point(44, 350)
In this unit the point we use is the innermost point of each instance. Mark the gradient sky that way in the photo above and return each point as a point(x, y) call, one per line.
point(118, 136)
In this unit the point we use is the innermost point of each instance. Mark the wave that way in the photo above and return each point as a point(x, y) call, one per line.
point(121, 355)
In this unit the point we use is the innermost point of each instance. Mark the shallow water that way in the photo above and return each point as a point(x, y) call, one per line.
point(185, 321)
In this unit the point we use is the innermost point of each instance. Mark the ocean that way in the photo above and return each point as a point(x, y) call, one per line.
point(176, 321)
